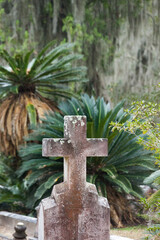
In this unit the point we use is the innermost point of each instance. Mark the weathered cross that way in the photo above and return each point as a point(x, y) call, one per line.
point(75, 147)
point(74, 210)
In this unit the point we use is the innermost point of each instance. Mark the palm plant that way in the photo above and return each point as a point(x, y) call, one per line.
point(25, 86)
point(115, 176)
point(12, 190)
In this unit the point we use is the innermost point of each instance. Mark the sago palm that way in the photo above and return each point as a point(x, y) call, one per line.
point(12, 189)
point(115, 176)
point(24, 85)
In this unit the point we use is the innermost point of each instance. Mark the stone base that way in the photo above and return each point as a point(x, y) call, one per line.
point(88, 221)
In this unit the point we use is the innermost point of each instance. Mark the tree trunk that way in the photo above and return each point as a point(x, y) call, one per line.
point(78, 10)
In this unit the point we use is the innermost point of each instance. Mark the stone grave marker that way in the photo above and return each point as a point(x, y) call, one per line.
point(74, 211)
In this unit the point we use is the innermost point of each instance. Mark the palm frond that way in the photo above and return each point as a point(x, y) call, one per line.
point(155, 199)
point(152, 177)
point(126, 166)
point(49, 67)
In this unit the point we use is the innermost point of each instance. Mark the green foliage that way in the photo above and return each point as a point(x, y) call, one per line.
point(32, 114)
point(152, 206)
point(153, 177)
point(74, 31)
point(48, 8)
point(154, 232)
point(21, 47)
point(15, 43)
point(12, 189)
point(47, 73)
point(86, 34)
point(124, 169)
point(145, 116)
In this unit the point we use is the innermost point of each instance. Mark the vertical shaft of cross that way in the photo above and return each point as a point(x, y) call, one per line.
point(75, 165)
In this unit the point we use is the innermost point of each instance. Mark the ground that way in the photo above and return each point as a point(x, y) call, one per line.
point(131, 232)
point(136, 233)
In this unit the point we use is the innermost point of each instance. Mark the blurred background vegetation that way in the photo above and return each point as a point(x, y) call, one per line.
point(42, 43)
point(120, 40)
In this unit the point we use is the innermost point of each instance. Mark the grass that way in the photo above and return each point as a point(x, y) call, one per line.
point(137, 232)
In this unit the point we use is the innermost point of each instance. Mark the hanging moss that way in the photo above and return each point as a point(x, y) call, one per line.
point(110, 33)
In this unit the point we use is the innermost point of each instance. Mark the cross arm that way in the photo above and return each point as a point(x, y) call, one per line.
point(56, 147)
point(97, 147)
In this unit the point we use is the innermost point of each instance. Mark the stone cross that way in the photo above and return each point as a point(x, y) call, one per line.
point(75, 147)
point(74, 196)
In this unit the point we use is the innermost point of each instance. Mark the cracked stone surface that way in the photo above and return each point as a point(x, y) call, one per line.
point(74, 211)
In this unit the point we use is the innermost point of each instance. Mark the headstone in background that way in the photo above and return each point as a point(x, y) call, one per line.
point(74, 211)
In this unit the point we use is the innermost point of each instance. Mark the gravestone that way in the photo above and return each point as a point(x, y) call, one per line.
point(74, 211)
